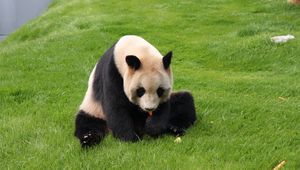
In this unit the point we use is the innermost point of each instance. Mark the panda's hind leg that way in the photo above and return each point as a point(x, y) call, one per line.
point(89, 130)
point(183, 113)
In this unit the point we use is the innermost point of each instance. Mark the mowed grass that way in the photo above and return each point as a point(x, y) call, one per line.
point(246, 88)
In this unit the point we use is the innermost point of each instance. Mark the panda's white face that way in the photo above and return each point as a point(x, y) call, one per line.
point(148, 81)
point(148, 89)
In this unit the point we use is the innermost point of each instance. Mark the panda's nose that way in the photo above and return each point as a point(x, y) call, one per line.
point(149, 109)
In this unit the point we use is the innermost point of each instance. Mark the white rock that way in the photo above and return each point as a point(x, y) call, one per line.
point(282, 38)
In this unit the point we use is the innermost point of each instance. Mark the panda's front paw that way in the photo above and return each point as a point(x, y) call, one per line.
point(176, 131)
point(90, 139)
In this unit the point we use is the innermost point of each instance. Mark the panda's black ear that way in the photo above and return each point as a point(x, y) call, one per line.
point(167, 59)
point(133, 62)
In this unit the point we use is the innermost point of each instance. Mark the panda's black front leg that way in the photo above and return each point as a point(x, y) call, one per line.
point(89, 130)
point(182, 114)
point(158, 122)
point(121, 124)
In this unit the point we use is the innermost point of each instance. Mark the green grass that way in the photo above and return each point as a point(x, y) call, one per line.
point(246, 89)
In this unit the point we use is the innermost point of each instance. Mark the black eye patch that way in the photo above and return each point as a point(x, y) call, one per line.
point(140, 92)
point(160, 91)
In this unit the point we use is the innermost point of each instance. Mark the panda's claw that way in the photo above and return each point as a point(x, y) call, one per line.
point(90, 139)
point(176, 131)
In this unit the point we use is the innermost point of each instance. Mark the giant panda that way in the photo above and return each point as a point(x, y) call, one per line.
point(130, 94)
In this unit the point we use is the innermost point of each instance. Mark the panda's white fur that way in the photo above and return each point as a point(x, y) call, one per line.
point(150, 76)
point(135, 45)
point(89, 104)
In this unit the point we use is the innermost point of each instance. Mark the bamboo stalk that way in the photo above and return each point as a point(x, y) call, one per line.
point(280, 165)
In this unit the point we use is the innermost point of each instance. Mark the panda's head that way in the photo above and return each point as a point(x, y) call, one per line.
point(148, 81)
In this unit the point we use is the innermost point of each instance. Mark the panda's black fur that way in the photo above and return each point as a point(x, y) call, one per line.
point(125, 120)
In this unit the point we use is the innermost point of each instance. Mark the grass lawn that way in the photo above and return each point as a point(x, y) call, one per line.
point(246, 88)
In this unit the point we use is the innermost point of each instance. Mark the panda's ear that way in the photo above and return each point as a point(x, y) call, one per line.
point(133, 62)
point(167, 59)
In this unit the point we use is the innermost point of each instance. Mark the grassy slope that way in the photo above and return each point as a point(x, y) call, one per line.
point(222, 54)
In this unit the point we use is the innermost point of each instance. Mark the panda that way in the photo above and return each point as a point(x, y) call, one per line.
point(130, 94)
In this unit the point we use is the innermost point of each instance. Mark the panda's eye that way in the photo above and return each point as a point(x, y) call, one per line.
point(140, 92)
point(160, 91)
